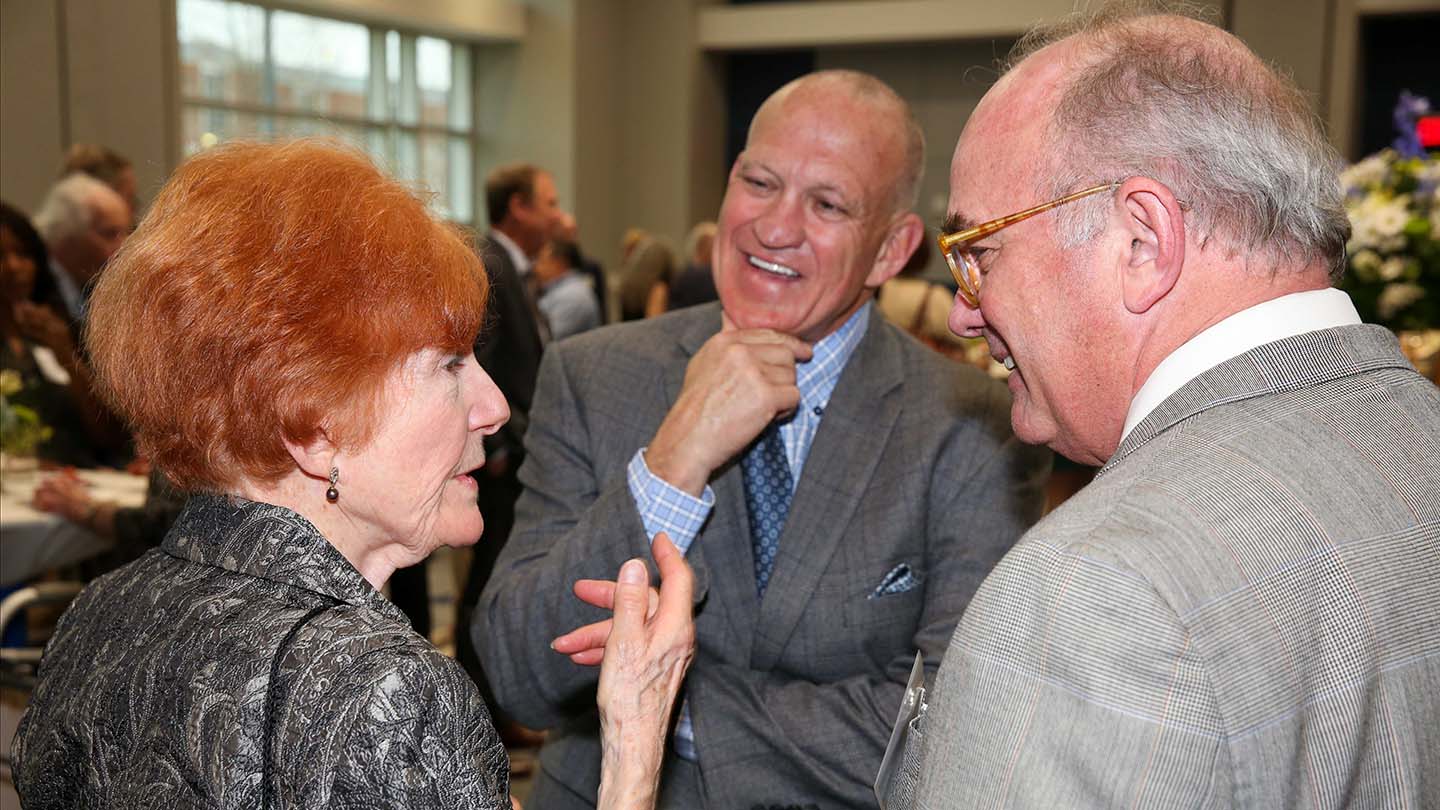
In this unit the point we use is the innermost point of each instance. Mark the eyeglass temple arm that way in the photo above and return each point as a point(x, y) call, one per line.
point(984, 229)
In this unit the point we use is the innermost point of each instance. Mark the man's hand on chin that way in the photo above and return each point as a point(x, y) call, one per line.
point(735, 386)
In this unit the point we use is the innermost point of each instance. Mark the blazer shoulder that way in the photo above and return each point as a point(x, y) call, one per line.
point(654, 340)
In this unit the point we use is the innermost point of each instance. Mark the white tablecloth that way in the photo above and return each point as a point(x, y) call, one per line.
point(32, 541)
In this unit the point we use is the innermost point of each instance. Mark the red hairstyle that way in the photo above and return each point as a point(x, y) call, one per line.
point(266, 296)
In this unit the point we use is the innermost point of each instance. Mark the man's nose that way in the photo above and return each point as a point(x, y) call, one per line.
point(781, 225)
point(965, 320)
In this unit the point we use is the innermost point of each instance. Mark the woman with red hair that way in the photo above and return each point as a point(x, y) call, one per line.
point(290, 332)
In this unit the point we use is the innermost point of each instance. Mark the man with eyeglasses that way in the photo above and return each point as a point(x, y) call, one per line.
point(1243, 609)
point(839, 489)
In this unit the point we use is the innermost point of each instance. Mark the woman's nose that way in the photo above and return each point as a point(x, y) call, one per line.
point(488, 408)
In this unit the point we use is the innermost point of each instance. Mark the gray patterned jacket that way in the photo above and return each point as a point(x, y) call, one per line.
point(1242, 611)
point(162, 686)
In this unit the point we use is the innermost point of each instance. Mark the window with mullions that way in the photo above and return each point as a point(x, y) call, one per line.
point(251, 72)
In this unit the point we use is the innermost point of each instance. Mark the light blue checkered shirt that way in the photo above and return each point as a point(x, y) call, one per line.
point(680, 515)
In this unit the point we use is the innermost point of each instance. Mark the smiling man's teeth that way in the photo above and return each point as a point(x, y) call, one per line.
point(771, 267)
point(1009, 364)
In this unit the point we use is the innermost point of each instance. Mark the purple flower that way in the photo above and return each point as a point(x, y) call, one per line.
point(1408, 111)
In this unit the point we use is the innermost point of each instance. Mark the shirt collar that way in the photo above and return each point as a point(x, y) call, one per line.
point(1266, 322)
point(272, 543)
point(816, 378)
point(69, 290)
point(517, 256)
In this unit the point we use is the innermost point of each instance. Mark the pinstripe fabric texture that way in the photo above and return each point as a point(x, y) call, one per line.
point(1243, 610)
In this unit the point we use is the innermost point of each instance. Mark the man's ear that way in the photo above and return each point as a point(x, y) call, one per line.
point(315, 457)
point(1155, 223)
point(516, 206)
point(899, 245)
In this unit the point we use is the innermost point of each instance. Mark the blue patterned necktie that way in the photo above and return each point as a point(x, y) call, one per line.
point(767, 495)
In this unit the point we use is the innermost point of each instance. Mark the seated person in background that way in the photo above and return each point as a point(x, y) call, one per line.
point(567, 299)
point(39, 347)
point(83, 222)
point(132, 530)
point(650, 263)
point(922, 307)
point(291, 335)
point(106, 165)
point(840, 490)
point(590, 269)
point(695, 284)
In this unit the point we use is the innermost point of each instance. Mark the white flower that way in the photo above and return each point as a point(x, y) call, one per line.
point(1392, 268)
point(1379, 222)
point(1396, 297)
point(1366, 174)
point(1365, 264)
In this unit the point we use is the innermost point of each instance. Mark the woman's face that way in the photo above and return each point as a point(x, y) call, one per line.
point(17, 268)
point(410, 487)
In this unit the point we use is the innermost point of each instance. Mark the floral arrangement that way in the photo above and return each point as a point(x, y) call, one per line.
point(20, 428)
point(1393, 199)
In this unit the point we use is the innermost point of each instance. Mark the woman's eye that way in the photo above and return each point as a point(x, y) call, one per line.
point(454, 364)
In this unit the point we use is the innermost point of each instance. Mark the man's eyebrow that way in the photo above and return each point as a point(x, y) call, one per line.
point(955, 221)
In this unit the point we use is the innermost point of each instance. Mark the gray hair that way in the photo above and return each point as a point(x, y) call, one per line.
point(1234, 139)
point(877, 92)
point(68, 208)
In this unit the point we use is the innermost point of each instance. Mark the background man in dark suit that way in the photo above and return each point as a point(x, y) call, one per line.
point(1243, 609)
point(839, 489)
point(525, 213)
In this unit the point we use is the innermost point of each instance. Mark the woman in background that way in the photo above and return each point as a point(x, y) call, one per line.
point(290, 334)
point(36, 345)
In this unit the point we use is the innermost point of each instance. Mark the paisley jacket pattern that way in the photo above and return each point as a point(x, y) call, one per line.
point(157, 687)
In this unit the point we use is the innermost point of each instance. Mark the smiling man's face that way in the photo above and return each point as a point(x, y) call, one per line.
point(809, 205)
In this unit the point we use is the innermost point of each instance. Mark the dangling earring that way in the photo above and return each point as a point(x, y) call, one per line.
point(332, 494)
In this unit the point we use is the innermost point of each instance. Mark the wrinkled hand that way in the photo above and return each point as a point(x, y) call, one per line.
point(66, 495)
point(647, 647)
point(735, 386)
point(42, 325)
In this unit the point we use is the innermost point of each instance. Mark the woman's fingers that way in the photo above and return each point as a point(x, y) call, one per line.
point(677, 585)
point(632, 600)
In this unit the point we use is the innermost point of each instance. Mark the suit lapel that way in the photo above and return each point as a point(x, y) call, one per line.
point(1307, 359)
point(852, 436)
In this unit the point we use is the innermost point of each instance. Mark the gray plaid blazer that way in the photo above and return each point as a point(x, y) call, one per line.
point(1243, 610)
point(791, 696)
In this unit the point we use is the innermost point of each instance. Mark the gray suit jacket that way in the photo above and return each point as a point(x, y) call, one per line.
point(1243, 610)
point(791, 696)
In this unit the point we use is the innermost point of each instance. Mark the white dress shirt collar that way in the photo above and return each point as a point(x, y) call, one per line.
point(517, 256)
point(1266, 322)
point(69, 290)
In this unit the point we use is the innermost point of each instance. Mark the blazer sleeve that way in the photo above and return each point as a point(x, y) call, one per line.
point(1071, 683)
point(416, 735)
point(571, 522)
point(822, 742)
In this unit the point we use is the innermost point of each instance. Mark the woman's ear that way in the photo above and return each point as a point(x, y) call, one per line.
point(315, 457)
point(1156, 225)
